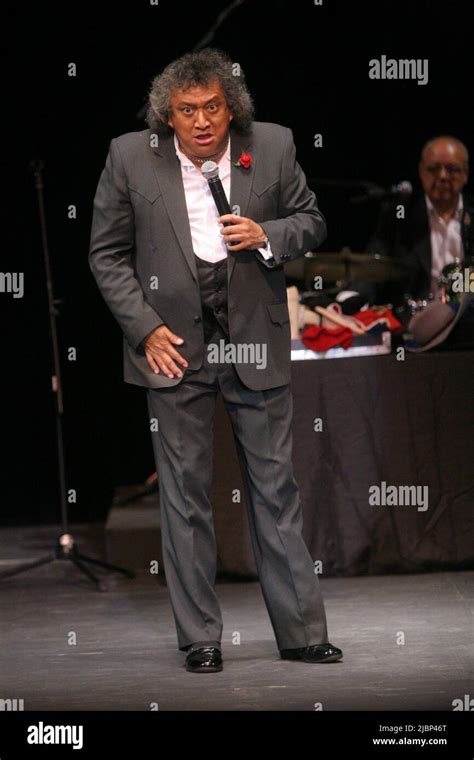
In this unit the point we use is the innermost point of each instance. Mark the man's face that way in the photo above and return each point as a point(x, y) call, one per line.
point(442, 170)
point(200, 118)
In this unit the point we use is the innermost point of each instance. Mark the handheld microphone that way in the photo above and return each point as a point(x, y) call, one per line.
point(210, 171)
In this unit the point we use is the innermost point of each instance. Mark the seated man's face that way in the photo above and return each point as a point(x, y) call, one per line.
point(200, 117)
point(443, 171)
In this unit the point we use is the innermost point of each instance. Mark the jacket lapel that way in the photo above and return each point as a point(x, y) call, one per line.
point(241, 181)
point(421, 236)
point(167, 170)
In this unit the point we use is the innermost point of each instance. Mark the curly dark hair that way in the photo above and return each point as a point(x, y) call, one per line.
point(201, 68)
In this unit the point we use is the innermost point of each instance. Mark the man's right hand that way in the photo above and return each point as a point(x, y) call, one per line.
point(160, 352)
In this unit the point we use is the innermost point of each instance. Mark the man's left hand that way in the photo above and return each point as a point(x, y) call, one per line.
point(242, 233)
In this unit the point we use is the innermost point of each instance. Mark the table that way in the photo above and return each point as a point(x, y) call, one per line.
point(404, 423)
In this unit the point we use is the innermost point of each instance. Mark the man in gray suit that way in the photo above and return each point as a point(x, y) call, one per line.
point(201, 300)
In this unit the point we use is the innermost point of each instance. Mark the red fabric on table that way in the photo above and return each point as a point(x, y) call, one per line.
point(322, 339)
point(369, 317)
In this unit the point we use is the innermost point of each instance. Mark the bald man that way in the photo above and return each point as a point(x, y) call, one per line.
point(437, 226)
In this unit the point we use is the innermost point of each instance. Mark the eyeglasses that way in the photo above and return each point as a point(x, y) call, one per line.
point(451, 169)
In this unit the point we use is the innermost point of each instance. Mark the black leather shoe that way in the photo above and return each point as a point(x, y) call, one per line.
point(204, 660)
point(315, 653)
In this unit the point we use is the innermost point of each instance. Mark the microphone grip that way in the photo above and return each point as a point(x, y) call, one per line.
point(220, 198)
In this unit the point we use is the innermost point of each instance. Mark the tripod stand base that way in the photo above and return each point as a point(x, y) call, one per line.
point(65, 549)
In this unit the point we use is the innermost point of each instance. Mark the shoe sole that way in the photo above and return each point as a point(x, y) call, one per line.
point(331, 658)
point(213, 669)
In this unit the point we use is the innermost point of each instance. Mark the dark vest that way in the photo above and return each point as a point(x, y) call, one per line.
point(213, 289)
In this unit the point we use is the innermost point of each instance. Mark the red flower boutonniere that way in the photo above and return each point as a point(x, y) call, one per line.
point(245, 160)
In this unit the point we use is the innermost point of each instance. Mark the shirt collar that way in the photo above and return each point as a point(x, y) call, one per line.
point(185, 161)
point(432, 210)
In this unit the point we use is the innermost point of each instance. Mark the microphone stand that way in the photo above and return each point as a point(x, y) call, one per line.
point(65, 547)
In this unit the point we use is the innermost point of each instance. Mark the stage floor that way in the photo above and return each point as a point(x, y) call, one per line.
point(126, 656)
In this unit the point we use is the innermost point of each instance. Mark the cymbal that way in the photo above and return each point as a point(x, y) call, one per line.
point(346, 256)
point(353, 267)
point(295, 270)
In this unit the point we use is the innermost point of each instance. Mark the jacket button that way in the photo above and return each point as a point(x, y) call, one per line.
point(197, 319)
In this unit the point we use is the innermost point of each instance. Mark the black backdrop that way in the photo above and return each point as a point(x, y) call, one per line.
point(307, 68)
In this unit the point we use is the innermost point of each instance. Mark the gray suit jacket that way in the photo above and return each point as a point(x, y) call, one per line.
point(142, 257)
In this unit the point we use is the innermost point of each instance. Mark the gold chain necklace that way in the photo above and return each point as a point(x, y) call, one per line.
point(202, 160)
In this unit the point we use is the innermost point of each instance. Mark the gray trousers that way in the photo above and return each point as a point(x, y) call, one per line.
point(182, 445)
